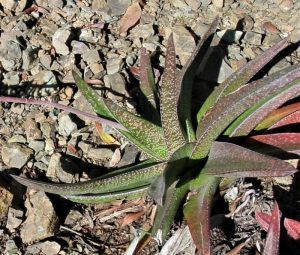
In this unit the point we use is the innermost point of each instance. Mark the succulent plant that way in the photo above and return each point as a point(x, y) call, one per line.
point(188, 155)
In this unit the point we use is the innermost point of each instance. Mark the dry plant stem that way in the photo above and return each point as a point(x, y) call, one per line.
point(62, 107)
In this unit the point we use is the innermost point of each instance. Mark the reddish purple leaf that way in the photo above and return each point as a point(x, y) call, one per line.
point(293, 228)
point(277, 115)
point(272, 242)
point(293, 118)
point(263, 219)
point(197, 214)
point(230, 160)
point(289, 142)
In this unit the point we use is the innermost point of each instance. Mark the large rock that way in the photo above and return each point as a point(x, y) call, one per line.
point(59, 41)
point(16, 155)
point(41, 221)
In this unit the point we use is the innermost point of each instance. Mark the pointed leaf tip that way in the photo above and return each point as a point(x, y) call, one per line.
point(293, 228)
point(272, 241)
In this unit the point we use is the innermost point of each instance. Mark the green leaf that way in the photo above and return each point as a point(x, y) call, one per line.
point(187, 76)
point(246, 122)
point(233, 105)
point(169, 98)
point(92, 96)
point(240, 77)
point(197, 213)
point(122, 179)
point(174, 168)
point(233, 161)
point(277, 115)
point(147, 136)
point(166, 213)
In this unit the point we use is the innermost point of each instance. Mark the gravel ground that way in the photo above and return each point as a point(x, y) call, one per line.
point(41, 42)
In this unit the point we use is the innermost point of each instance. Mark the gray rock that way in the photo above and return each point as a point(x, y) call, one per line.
point(214, 68)
point(91, 56)
point(32, 130)
point(17, 139)
point(194, 4)
point(41, 221)
point(60, 39)
point(143, 31)
point(114, 65)
point(98, 4)
point(129, 157)
point(99, 153)
point(86, 35)
point(14, 218)
point(29, 58)
point(37, 146)
point(116, 82)
point(66, 125)
point(79, 47)
point(10, 55)
point(218, 3)
point(253, 38)
point(11, 248)
point(46, 81)
point(45, 59)
point(11, 78)
point(230, 36)
point(9, 4)
point(73, 219)
point(16, 155)
point(84, 146)
point(51, 248)
point(118, 7)
point(62, 168)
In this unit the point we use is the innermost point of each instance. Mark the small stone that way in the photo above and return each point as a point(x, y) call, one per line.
point(270, 27)
point(73, 219)
point(114, 65)
point(143, 31)
point(10, 55)
point(286, 5)
point(194, 4)
point(118, 7)
point(32, 130)
point(16, 155)
point(85, 147)
point(66, 125)
point(99, 153)
point(11, 247)
point(9, 4)
point(97, 69)
point(179, 4)
point(29, 58)
point(86, 35)
point(14, 218)
point(11, 78)
point(253, 38)
point(129, 157)
point(218, 3)
point(66, 93)
point(91, 56)
point(98, 4)
point(37, 146)
point(5, 201)
point(51, 248)
point(41, 221)
point(17, 139)
point(59, 41)
point(44, 78)
point(79, 47)
point(116, 82)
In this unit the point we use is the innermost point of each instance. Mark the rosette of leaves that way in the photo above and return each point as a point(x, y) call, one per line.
point(188, 155)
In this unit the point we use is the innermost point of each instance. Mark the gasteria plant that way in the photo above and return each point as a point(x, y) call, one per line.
point(183, 159)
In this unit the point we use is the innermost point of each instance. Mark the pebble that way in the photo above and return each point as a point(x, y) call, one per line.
point(11, 78)
point(37, 146)
point(66, 126)
point(99, 153)
point(59, 41)
point(116, 82)
point(253, 38)
point(10, 55)
point(114, 65)
point(118, 7)
point(11, 248)
point(16, 155)
point(17, 139)
point(48, 247)
point(79, 47)
point(98, 4)
point(32, 130)
point(14, 218)
point(41, 221)
point(218, 3)
point(5, 201)
point(91, 56)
